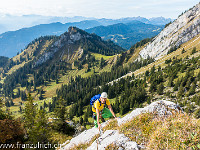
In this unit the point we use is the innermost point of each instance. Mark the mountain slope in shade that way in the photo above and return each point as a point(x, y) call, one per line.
point(127, 34)
point(13, 23)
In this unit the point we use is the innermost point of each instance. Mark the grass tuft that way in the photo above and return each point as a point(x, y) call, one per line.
point(112, 125)
point(85, 145)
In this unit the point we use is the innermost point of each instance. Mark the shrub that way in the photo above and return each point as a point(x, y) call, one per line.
point(194, 50)
point(11, 132)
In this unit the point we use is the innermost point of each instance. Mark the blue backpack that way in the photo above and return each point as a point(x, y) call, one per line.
point(94, 98)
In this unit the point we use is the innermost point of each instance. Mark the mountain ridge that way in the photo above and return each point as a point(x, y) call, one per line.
point(8, 22)
point(14, 41)
point(20, 38)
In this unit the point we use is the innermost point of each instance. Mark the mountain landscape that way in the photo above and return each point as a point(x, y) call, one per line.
point(13, 23)
point(153, 87)
point(20, 38)
point(127, 32)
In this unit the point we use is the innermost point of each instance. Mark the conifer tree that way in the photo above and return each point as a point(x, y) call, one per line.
point(180, 92)
point(81, 120)
point(11, 102)
point(60, 109)
point(7, 103)
point(160, 89)
point(40, 94)
point(2, 114)
point(177, 84)
point(20, 109)
point(102, 62)
point(60, 123)
point(41, 127)
point(192, 89)
point(85, 118)
point(170, 82)
point(116, 106)
point(80, 110)
point(30, 118)
point(152, 87)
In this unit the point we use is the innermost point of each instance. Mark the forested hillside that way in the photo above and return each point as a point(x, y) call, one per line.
point(126, 35)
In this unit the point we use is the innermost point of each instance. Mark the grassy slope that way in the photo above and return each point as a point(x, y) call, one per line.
point(50, 89)
point(179, 131)
point(188, 47)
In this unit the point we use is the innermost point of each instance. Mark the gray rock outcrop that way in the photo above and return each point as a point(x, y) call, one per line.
point(180, 31)
point(113, 137)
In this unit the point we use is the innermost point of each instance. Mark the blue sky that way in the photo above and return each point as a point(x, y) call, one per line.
point(97, 8)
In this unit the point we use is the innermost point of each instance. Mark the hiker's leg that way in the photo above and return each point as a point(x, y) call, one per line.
point(106, 113)
point(95, 120)
point(102, 119)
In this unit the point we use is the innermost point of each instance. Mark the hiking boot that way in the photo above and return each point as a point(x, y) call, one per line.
point(102, 119)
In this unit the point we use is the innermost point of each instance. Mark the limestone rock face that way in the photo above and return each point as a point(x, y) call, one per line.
point(180, 31)
point(46, 56)
point(65, 39)
point(162, 108)
point(113, 136)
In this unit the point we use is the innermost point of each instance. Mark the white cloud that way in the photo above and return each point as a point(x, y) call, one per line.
point(97, 8)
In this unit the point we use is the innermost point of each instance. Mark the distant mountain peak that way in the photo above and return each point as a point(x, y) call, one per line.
point(69, 43)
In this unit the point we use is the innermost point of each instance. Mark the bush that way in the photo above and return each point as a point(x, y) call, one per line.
point(183, 51)
point(194, 50)
point(11, 132)
point(62, 127)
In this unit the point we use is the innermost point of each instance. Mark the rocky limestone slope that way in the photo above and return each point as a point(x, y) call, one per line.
point(162, 108)
point(180, 31)
point(65, 39)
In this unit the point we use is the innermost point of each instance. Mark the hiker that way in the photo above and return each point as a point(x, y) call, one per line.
point(99, 109)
